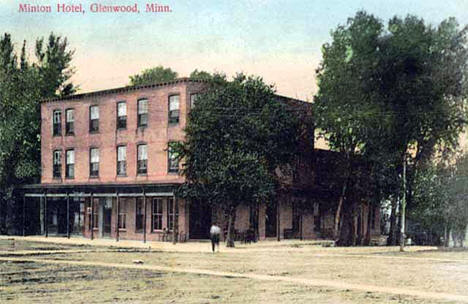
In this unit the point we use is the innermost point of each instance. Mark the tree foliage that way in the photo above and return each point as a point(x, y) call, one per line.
point(201, 75)
point(236, 136)
point(393, 93)
point(153, 75)
point(346, 107)
point(22, 86)
point(54, 66)
point(440, 196)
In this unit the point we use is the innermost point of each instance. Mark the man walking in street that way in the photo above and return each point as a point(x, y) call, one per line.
point(215, 233)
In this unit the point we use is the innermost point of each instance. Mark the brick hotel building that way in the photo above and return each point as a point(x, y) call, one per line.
point(108, 171)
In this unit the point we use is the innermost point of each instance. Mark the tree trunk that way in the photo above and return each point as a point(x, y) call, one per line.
point(256, 222)
point(360, 237)
point(336, 231)
point(368, 226)
point(403, 211)
point(446, 236)
point(393, 224)
point(354, 224)
point(465, 237)
point(346, 228)
point(3, 211)
point(231, 224)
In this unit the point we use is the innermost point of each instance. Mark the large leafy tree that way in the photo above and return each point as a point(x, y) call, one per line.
point(422, 81)
point(153, 75)
point(439, 200)
point(393, 94)
point(22, 86)
point(345, 107)
point(54, 66)
point(236, 136)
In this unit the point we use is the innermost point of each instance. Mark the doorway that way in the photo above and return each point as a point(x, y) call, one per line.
point(200, 220)
point(107, 217)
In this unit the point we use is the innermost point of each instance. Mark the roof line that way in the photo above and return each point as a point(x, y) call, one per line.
point(153, 85)
point(122, 89)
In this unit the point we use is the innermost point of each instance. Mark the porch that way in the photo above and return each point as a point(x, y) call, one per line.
point(119, 211)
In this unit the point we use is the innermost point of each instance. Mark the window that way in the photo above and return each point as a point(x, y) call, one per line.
point(57, 123)
point(172, 159)
point(57, 170)
point(70, 122)
point(93, 119)
point(170, 213)
point(94, 162)
point(122, 115)
point(140, 214)
point(174, 109)
point(193, 99)
point(143, 113)
point(70, 169)
point(121, 160)
point(157, 213)
point(142, 159)
point(123, 215)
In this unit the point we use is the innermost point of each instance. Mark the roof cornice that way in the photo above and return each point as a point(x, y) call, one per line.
point(122, 90)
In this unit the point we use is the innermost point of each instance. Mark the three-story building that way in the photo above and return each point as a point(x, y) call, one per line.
point(108, 170)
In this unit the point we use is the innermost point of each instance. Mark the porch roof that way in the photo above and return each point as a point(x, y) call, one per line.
point(108, 189)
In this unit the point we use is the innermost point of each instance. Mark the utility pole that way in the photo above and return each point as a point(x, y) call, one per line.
point(403, 209)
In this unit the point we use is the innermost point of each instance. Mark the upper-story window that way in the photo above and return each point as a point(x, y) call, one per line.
point(174, 109)
point(94, 162)
point(93, 119)
point(121, 160)
point(142, 159)
point(70, 122)
point(57, 169)
point(70, 168)
point(57, 123)
point(122, 115)
point(142, 112)
point(193, 99)
point(172, 159)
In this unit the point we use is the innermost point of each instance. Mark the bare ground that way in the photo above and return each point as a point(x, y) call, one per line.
point(293, 272)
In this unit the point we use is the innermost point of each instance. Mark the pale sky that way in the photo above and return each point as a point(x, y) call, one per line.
point(279, 40)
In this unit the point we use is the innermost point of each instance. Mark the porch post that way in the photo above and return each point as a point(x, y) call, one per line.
point(24, 215)
point(68, 215)
point(92, 216)
point(118, 211)
point(144, 219)
point(278, 229)
point(174, 218)
point(46, 224)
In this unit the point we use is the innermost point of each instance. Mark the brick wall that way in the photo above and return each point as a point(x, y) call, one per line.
point(158, 133)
